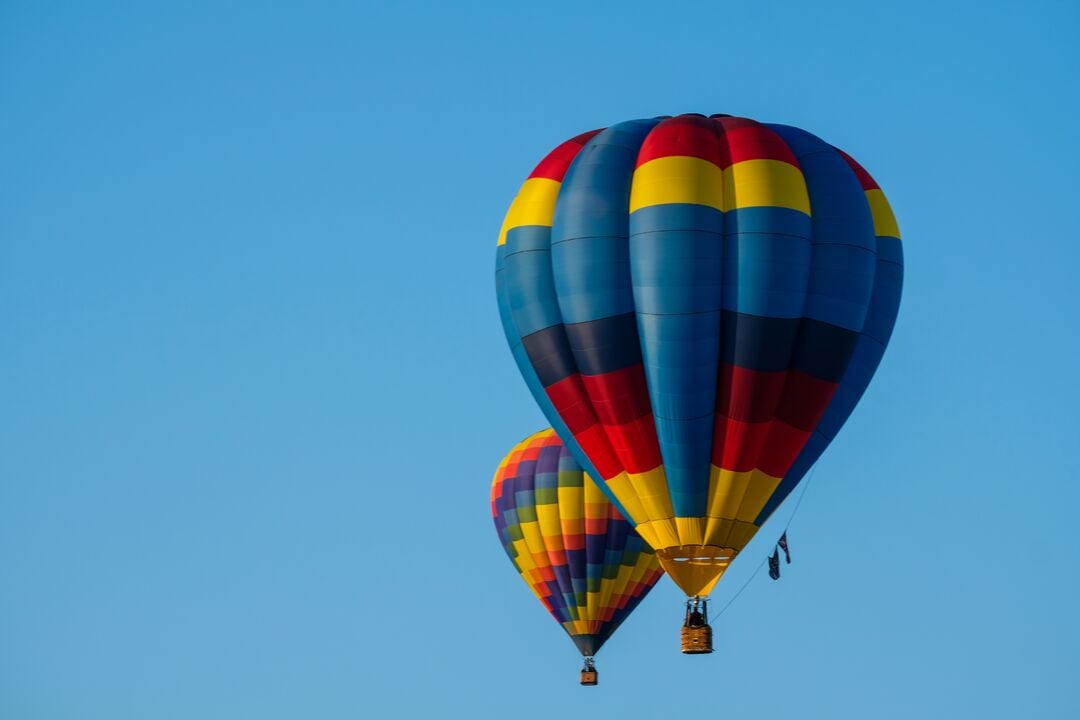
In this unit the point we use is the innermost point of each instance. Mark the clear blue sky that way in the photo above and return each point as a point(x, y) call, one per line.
point(253, 385)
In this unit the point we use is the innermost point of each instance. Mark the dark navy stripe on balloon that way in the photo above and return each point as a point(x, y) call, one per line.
point(550, 355)
point(758, 343)
point(547, 466)
point(594, 554)
point(575, 560)
point(775, 344)
point(600, 346)
point(864, 362)
point(823, 350)
point(564, 582)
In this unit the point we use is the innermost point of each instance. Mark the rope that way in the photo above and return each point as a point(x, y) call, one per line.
point(806, 486)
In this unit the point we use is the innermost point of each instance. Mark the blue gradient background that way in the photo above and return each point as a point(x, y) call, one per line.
point(253, 385)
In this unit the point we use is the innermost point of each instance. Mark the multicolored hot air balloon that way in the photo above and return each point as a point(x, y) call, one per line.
point(697, 304)
point(581, 558)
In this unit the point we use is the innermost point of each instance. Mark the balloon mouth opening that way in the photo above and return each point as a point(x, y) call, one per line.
point(696, 568)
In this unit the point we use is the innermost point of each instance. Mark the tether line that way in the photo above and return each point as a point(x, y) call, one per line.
point(806, 486)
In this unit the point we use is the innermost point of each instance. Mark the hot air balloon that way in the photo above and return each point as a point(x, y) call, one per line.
point(579, 556)
point(697, 304)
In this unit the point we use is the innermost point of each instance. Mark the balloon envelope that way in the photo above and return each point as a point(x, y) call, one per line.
point(580, 557)
point(697, 304)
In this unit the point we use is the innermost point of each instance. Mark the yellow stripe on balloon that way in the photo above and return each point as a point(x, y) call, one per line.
point(741, 533)
point(651, 489)
point(739, 495)
point(534, 205)
point(595, 501)
point(765, 183)
point(625, 493)
point(691, 530)
point(646, 495)
point(723, 532)
point(570, 503)
point(659, 533)
point(550, 525)
point(645, 530)
point(884, 220)
point(677, 179)
point(534, 540)
point(524, 559)
point(579, 627)
point(692, 180)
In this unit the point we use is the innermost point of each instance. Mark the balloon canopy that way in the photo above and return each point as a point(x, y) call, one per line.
point(697, 304)
point(573, 548)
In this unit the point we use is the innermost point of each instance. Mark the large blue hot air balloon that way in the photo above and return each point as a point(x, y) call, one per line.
point(697, 304)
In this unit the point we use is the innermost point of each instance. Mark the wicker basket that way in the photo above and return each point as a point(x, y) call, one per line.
point(696, 640)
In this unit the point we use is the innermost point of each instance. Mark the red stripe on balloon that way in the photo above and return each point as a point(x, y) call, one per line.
point(594, 443)
point(868, 183)
point(611, 446)
point(783, 446)
point(722, 141)
point(749, 395)
point(532, 452)
point(572, 403)
point(745, 139)
point(511, 469)
point(738, 446)
point(556, 163)
point(619, 396)
point(595, 526)
point(804, 400)
point(690, 135)
point(764, 418)
point(635, 444)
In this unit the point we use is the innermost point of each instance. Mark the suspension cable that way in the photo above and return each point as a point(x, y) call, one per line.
point(806, 486)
